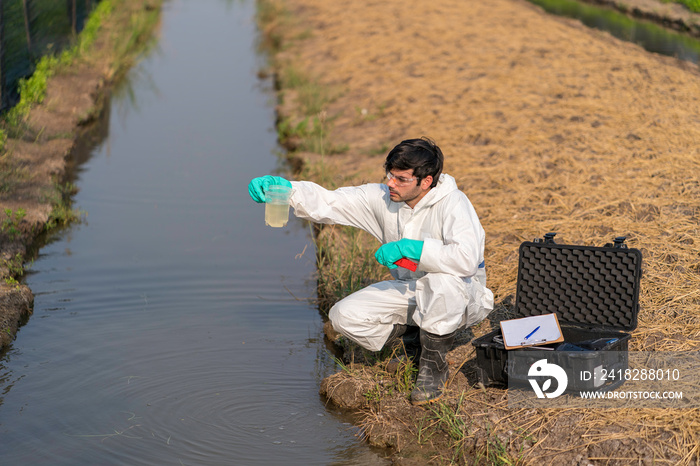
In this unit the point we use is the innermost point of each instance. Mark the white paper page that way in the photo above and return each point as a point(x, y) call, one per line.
point(532, 330)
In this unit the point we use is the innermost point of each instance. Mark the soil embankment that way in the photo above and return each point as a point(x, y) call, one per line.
point(547, 126)
point(671, 15)
point(34, 164)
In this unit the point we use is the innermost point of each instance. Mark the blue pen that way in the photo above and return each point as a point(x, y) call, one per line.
point(532, 333)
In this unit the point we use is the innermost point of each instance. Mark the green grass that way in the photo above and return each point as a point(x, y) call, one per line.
point(14, 265)
point(692, 5)
point(452, 422)
point(340, 363)
point(32, 90)
point(286, 129)
point(140, 38)
point(313, 125)
point(406, 377)
point(424, 430)
point(62, 212)
point(374, 395)
point(390, 384)
point(496, 452)
point(346, 264)
point(307, 130)
point(89, 33)
point(380, 150)
point(273, 19)
point(12, 173)
point(10, 224)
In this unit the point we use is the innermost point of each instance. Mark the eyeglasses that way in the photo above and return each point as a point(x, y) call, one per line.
point(399, 180)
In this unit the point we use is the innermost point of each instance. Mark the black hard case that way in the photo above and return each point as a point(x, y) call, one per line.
point(595, 293)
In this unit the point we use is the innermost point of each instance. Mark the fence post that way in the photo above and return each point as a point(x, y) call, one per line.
point(26, 27)
point(74, 16)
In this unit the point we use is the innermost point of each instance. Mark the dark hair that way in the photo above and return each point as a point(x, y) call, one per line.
point(422, 155)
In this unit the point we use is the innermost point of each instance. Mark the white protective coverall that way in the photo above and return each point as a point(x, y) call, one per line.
point(446, 292)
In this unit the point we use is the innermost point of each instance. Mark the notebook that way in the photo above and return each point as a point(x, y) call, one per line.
point(531, 331)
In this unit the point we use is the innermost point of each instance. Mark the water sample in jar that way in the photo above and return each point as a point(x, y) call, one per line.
point(277, 205)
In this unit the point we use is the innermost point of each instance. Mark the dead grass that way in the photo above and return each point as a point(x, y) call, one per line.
point(547, 126)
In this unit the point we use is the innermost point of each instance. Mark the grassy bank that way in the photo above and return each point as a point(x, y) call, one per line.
point(692, 5)
point(57, 103)
point(346, 263)
point(547, 126)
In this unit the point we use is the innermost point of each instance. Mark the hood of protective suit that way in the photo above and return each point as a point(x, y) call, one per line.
point(446, 184)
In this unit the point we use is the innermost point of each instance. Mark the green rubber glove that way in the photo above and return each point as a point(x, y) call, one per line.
point(259, 186)
point(389, 253)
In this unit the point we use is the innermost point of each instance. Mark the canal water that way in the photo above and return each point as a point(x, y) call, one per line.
point(172, 326)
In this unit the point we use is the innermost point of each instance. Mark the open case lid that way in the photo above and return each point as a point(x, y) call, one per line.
point(594, 287)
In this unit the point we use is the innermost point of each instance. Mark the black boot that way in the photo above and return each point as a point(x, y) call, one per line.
point(396, 333)
point(411, 342)
point(408, 346)
point(433, 369)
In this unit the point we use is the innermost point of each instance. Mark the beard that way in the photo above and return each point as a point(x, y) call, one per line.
point(414, 193)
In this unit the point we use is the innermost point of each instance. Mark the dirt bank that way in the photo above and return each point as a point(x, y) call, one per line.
point(547, 126)
point(671, 15)
point(34, 166)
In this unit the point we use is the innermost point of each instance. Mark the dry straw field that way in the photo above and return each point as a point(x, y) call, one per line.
point(548, 127)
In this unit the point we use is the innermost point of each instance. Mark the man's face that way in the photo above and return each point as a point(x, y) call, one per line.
point(403, 186)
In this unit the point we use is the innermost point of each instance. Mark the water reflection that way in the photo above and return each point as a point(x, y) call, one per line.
point(166, 327)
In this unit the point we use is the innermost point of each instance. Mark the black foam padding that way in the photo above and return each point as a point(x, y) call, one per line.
point(584, 285)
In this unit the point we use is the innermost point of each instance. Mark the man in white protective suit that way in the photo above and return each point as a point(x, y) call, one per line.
point(420, 215)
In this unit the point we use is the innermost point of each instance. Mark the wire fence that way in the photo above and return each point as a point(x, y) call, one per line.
point(30, 29)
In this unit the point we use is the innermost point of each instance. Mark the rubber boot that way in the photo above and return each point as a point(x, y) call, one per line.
point(433, 369)
point(411, 342)
point(396, 333)
point(407, 347)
